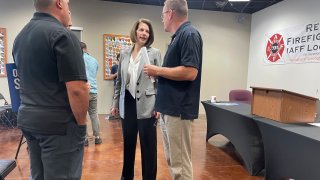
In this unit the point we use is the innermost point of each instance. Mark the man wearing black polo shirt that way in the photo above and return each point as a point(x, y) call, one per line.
point(54, 93)
point(178, 87)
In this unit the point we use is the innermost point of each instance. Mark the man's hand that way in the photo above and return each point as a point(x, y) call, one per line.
point(157, 115)
point(78, 94)
point(151, 70)
point(114, 111)
point(178, 73)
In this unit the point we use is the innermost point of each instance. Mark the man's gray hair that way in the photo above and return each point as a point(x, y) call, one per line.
point(42, 4)
point(179, 6)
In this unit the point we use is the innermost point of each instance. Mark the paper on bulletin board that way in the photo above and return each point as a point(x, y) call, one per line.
point(113, 44)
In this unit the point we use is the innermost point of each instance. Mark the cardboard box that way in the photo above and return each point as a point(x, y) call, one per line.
point(283, 106)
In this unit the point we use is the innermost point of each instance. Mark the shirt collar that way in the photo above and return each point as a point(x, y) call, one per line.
point(179, 29)
point(45, 16)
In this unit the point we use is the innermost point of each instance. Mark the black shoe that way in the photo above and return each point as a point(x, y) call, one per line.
point(98, 140)
point(86, 142)
point(111, 117)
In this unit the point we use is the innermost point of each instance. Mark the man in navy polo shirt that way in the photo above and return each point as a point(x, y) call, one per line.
point(54, 93)
point(178, 87)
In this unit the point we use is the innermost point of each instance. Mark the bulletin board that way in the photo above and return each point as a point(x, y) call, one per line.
point(112, 44)
point(3, 52)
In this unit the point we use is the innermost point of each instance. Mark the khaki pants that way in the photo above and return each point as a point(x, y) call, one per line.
point(176, 136)
point(92, 111)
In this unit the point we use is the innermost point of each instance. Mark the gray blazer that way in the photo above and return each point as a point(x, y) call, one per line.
point(145, 90)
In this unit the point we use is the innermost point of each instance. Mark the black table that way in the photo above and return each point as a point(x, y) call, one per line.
point(291, 150)
point(6, 166)
point(236, 124)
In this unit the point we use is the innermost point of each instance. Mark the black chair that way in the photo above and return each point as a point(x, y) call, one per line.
point(6, 114)
point(6, 166)
point(4, 99)
point(21, 142)
point(4, 117)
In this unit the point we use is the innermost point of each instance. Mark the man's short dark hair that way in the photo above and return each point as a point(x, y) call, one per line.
point(179, 6)
point(42, 4)
point(133, 34)
point(83, 45)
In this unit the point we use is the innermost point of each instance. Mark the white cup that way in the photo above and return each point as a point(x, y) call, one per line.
point(213, 99)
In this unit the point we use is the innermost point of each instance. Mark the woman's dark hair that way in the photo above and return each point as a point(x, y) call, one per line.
point(133, 34)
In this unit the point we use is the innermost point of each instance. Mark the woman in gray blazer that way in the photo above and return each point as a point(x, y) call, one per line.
point(134, 100)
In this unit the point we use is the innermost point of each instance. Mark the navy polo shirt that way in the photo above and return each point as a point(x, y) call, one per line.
point(181, 98)
point(47, 56)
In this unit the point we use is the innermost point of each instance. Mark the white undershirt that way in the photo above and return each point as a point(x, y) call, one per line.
point(133, 74)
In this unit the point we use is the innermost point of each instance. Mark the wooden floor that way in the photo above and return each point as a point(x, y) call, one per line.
point(214, 160)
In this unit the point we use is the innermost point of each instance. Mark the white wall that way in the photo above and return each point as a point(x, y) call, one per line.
point(226, 41)
point(301, 78)
point(13, 16)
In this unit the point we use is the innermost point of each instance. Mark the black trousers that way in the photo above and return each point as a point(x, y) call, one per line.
point(146, 128)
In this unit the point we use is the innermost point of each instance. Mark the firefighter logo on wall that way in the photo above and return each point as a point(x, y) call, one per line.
point(275, 48)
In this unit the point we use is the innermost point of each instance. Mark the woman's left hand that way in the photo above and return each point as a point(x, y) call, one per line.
point(156, 115)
